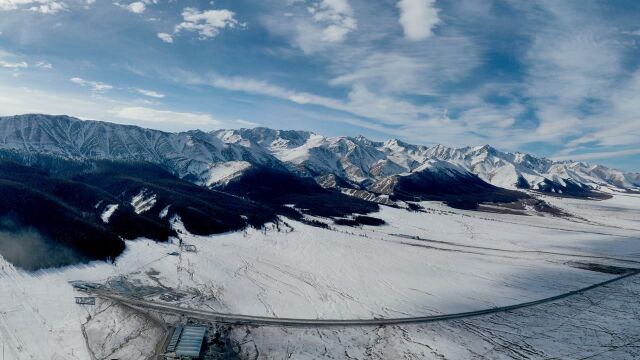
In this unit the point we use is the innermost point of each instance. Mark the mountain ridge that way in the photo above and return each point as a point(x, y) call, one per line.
point(361, 161)
point(205, 157)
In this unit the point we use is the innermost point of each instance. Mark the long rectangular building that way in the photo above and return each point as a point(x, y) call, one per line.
point(187, 341)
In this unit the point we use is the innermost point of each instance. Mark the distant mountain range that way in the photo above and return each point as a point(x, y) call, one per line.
point(73, 189)
point(215, 158)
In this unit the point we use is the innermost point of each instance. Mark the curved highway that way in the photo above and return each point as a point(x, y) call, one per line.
point(271, 321)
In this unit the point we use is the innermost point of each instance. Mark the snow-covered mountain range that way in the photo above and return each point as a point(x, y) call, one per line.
point(193, 155)
point(362, 161)
point(102, 182)
point(354, 163)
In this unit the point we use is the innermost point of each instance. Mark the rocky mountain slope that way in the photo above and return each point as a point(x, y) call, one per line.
point(191, 155)
point(356, 163)
point(361, 161)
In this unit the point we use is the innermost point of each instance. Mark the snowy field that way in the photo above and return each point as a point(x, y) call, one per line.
point(420, 263)
point(601, 324)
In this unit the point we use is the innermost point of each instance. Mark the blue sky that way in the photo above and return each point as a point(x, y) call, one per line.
point(555, 78)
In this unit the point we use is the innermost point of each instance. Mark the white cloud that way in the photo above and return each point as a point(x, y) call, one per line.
point(137, 7)
point(632, 32)
point(44, 65)
point(555, 123)
point(578, 81)
point(22, 100)
point(206, 23)
point(41, 6)
point(237, 83)
point(145, 114)
point(422, 70)
point(314, 25)
point(418, 18)
point(166, 37)
point(367, 108)
point(96, 87)
point(336, 16)
point(619, 123)
point(399, 68)
point(360, 101)
point(248, 123)
point(598, 155)
point(14, 65)
point(150, 93)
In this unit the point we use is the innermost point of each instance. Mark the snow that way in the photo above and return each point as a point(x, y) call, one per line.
point(202, 156)
point(164, 212)
point(144, 201)
point(38, 316)
point(301, 153)
point(440, 261)
point(435, 165)
point(471, 260)
point(117, 332)
point(183, 153)
point(224, 172)
point(599, 324)
point(620, 211)
point(108, 211)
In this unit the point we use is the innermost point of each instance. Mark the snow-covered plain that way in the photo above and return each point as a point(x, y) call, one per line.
point(600, 324)
point(119, 332)
point(439, 261)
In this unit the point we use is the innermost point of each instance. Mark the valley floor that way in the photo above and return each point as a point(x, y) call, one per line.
point(599, 324)
point(421, 263)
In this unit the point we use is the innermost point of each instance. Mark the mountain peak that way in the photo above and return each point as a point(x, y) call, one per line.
point(395, 143)
point(486, 148)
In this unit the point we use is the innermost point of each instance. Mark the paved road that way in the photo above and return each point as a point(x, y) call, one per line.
point(270, 321)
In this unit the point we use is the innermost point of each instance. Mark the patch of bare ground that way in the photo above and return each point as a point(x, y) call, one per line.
point(526, 207)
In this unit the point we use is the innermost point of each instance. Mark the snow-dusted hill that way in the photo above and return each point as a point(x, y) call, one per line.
point(357, 163)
